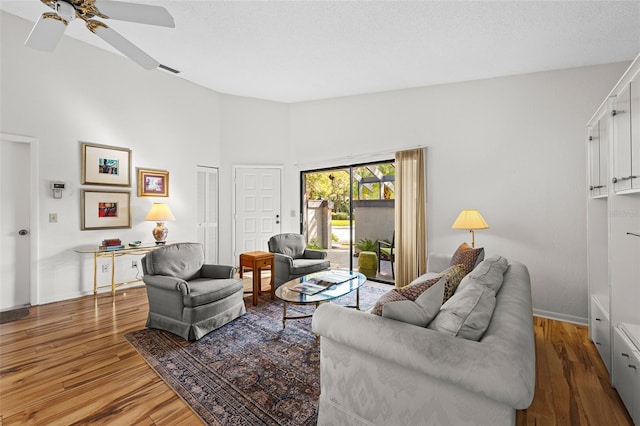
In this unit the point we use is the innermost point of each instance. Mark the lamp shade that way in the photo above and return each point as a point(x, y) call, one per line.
point(470, 219)
point(159, 212)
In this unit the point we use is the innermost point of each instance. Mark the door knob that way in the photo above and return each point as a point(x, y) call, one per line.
point(23, 232)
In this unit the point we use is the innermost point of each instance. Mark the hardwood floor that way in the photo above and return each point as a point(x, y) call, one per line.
point(68, 363)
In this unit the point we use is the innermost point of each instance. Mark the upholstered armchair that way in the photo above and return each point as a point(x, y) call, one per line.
point(186, 296)
point(293, 259)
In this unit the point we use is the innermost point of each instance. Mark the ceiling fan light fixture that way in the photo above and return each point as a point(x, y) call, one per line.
point(65, 10)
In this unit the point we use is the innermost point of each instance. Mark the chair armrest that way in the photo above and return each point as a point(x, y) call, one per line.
point(438, 262)
point(164, 282)
point(384, 243)
point(283, 258)
point(314, 254)
point(217, 271)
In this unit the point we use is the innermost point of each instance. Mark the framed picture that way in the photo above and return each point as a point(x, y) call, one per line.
point(105, 209)
point(106, 165)
point(153, 183)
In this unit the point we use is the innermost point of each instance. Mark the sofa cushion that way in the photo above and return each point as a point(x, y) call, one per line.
point(467, 314)
point(410, 292)
point(419, 312)
point(489, 273)
point(467, 256)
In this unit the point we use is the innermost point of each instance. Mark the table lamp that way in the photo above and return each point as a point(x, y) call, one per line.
point(470, 219)
point(160, 213)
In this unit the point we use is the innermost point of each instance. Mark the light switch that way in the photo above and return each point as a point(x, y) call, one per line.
point(53, 217)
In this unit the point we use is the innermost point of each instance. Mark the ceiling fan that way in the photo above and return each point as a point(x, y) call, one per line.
point(49, 29)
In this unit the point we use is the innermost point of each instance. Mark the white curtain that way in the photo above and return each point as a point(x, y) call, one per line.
point(410, 216)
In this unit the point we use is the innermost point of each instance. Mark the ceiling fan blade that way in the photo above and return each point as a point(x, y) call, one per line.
point(127, 48)
point(47, 32)
point(135, 12)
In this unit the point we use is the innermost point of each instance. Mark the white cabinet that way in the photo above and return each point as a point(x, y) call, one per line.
point(626, 139)
point(626, 369)
point(601, 330)
point(598, 151)
point(613, 226)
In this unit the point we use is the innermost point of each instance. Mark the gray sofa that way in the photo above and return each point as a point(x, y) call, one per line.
point(186, 296)
point(378, 371)
point(293, 259)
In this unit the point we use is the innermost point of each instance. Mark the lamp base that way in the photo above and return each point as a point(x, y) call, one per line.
point(160, 233)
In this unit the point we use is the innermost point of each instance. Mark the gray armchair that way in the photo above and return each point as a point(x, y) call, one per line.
point(186, 296)
point(293, 259)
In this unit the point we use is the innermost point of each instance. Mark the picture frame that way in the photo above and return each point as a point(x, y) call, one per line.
point(105, 209)
point(153, 183)
point(106, 165)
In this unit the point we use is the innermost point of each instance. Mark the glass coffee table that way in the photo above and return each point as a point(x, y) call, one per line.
point(352, 281)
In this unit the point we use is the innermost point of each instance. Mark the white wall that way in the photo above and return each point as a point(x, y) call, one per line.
point(511, 147)
point(80, 93)
point(254, 133)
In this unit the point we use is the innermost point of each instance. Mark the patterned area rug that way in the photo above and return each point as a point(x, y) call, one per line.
point(249, 371)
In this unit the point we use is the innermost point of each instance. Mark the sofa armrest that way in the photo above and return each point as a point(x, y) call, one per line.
point(478, 367)
point(314, 254)
point(438, 262)
point(163, 282)
point(217, 271)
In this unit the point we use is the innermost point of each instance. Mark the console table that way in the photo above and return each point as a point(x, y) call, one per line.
point(127, 250)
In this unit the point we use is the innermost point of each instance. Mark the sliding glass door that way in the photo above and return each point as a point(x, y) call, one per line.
point(348, 210)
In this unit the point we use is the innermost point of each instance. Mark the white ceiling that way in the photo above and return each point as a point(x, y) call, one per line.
point(292, 51)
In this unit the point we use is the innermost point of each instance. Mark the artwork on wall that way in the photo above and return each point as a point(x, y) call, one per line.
point(106, 165)
point(105, 210)
point(153, 183)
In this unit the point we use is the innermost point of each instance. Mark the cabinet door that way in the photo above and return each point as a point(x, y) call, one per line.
point(622, 377)
point(622, 140)
point(598, 143)
point(635, 372)
point(635, 132)
point(600, 324)
point(603, 146)
point(594, 159)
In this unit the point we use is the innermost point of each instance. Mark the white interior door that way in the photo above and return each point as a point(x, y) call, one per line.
point(257, 208)
point(15, 280)
point(207, 211)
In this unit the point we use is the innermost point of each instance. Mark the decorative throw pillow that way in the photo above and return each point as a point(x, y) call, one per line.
point(420, 312)
point(410, 292)
point(489, 273)
point(467, 314)
point(467, 256)
point(453, 274)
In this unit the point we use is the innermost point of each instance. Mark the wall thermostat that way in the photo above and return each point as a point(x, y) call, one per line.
point(57, 188)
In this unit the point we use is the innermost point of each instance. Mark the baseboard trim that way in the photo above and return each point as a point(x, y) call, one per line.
point(561, 317)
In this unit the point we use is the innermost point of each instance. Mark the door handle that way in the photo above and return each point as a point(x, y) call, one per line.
point(23, 232)
point(277, 218)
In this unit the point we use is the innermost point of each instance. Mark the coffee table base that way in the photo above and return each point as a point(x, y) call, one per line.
point(297, 317)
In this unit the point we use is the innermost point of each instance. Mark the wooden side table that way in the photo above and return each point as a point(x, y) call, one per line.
point(257, 261)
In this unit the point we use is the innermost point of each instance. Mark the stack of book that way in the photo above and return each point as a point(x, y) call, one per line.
point(111, 244)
